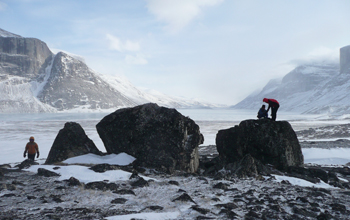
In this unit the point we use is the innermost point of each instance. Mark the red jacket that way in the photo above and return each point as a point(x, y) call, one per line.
point(271, 102)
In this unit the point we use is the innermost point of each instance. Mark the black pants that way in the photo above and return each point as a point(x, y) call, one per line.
point(274, 112)
point(31, 156)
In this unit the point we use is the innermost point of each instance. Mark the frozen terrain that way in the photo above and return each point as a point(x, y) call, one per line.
point(274, 197)
point(15, 129)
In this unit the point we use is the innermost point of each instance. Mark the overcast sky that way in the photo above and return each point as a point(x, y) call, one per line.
point(216, 50)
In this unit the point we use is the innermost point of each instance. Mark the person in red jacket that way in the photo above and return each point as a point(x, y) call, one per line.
point(32, 149)
point(274, 105)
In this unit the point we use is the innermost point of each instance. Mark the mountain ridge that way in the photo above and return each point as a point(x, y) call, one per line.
point(314, 88)
point(34, 79)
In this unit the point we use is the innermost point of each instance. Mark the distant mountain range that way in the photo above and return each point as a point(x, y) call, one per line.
point(33, 79)
point(315, 88)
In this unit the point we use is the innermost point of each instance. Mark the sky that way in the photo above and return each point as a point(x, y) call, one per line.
point(219, 51)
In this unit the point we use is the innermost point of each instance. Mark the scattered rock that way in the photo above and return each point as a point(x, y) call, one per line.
point(74, 182)
point(5, 166)
point(11, 187)
point(158, 137)
point(8, 195)
point(56, 198)
point(61, 187)
point(271, 142)
point(26, 164)
point(221, 185)
point(140, 182)
point(338, 207)
point(200, 217)
point(172, 182)
point(119, 201)
point(324, 216)
point(71, 141)
point(100, 185)
point(304, 212)
point(46, 173)
point(154, 208)
point(101, 168)
point(184, 198)
point(134, 175)
point(125, 192)
point(229, 205)
point(200, 210)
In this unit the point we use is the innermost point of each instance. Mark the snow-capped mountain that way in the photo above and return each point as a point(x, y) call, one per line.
point(33, 79)
point(310, 88)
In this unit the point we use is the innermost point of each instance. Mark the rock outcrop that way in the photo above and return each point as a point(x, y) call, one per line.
point(270, 142)
point(71, 141)
point(23, 57)
point(158, 137)
point(345, 60)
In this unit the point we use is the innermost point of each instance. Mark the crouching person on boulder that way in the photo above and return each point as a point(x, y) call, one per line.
point(32, 149)
point(262, 113)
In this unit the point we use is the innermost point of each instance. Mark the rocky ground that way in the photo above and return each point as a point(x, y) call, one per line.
point(26, 195)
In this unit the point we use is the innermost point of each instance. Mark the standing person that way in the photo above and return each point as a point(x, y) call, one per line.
point(32, 149)
point(262, 112)
point(274, 105)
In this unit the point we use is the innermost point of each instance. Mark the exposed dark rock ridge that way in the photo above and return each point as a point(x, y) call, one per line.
point(270, 142)
point(71, 141)
point(158, 137)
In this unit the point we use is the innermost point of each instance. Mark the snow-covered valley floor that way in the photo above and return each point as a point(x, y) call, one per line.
point(26, 195)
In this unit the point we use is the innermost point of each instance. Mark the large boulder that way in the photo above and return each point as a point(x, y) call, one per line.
point(71, 141)
point(158, 137)
point(271, 142)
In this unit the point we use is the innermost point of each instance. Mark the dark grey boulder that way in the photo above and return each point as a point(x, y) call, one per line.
point(100, 185)
point(71, 141)
point(158, 137)
point(26, 164)
point(139, 182)
point(73, 182)
point(270, 142)
point(119, 201)
point(46, 173)
point(101, 168)
point(184, 198)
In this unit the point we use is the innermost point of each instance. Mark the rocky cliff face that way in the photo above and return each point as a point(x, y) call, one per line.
point(345, 60)
point(21, 56)
point(22, 60)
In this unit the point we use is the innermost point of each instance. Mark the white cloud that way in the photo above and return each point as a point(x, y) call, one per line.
point(116, 44)
point(135, 60)
point(2, 6)
point(319, 55)
point(178, 13)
